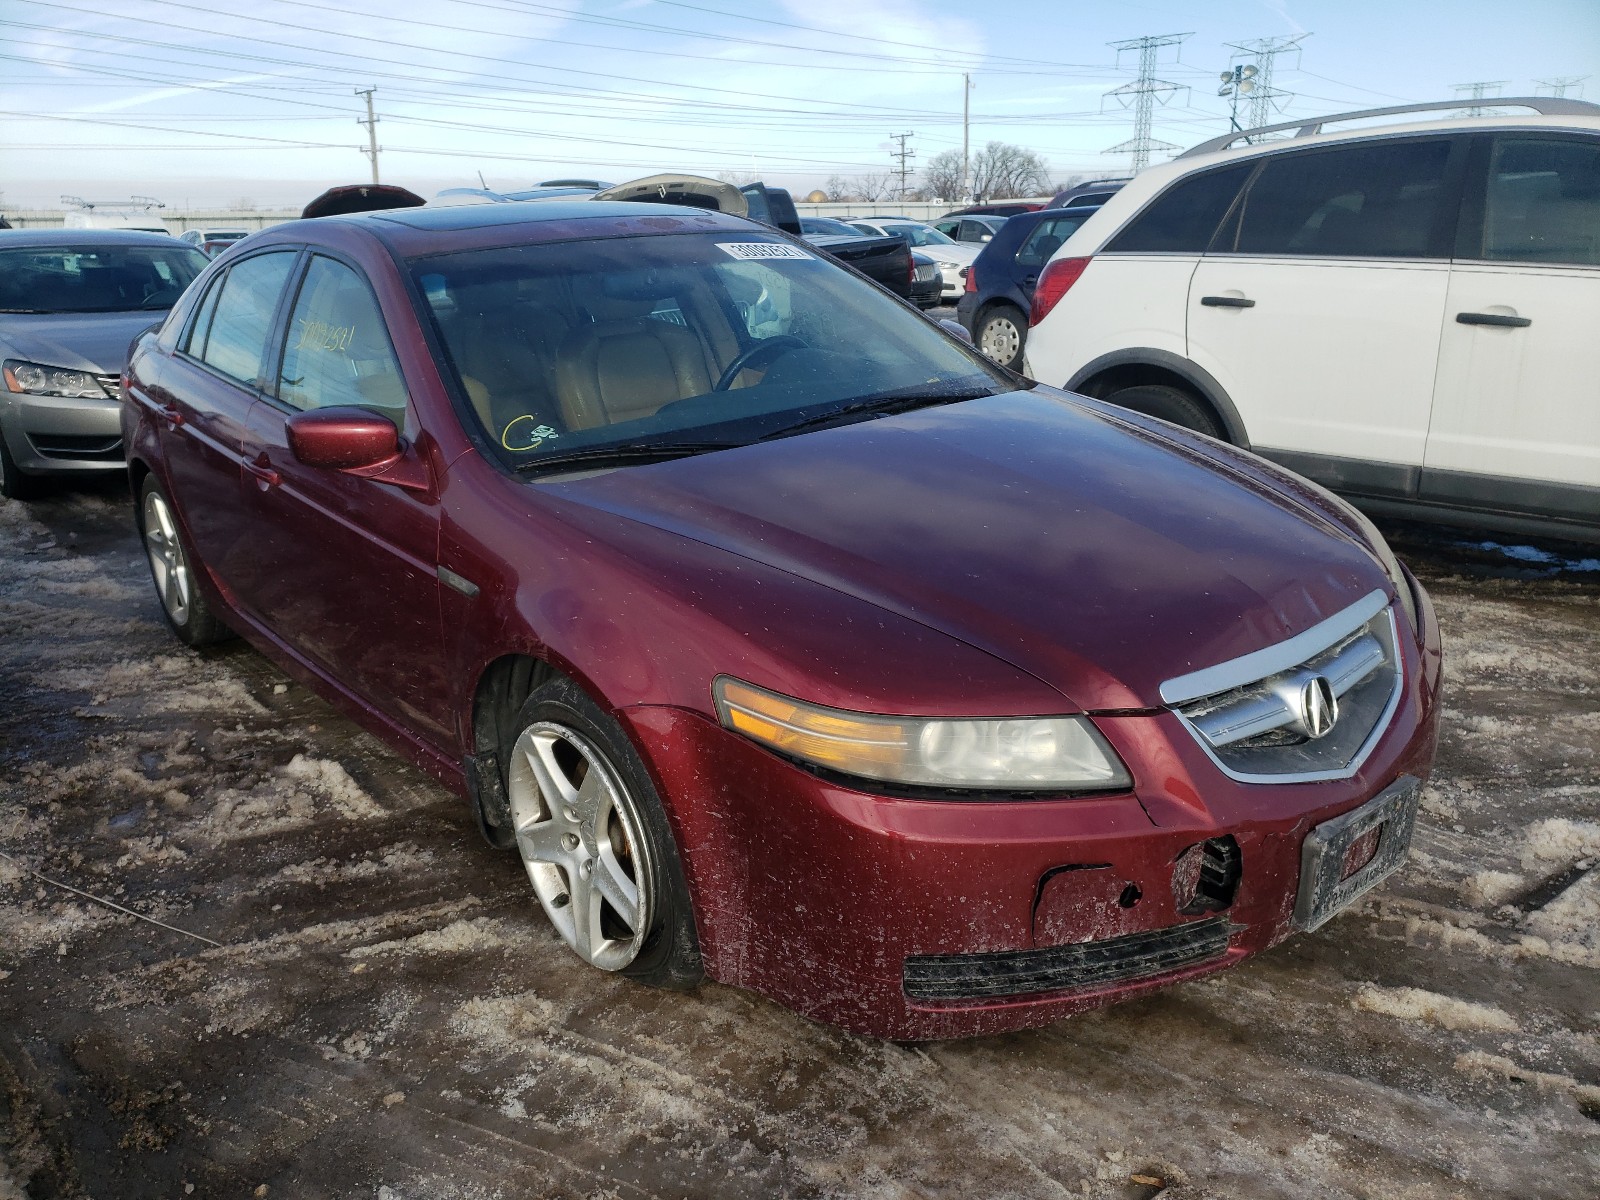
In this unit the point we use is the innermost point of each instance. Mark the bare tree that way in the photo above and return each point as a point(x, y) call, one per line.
point(942, 176)
point(737, 178)
point(1001, 171)
point(838, 188)
point(873, 186)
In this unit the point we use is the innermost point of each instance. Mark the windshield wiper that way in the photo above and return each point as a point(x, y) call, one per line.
point(624, 452)
point(883, 404)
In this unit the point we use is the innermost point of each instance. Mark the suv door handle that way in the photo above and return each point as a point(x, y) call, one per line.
point(261, 468)
point(1493, 319)
point(1226, 302)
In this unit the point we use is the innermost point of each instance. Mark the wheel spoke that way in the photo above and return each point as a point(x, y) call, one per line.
point(540, 841)
point(612, 882)
point(586, 917)
point(550, 775)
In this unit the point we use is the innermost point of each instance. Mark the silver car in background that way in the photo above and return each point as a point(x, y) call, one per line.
point(70, 302)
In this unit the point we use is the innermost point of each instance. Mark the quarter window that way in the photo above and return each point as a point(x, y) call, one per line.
point(1183, 219)
point(336, 348)
point(1377, 200)
point(1543, 201)
point(230, 332)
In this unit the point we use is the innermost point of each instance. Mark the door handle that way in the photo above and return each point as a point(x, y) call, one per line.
point(1499, 319)
point(1226, 302)
point(261, 468)
point(171, 415)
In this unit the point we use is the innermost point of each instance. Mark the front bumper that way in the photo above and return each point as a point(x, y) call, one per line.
point(817, 894)
point(58, 434)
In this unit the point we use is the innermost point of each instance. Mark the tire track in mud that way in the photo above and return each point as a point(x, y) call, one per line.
point(391, 1016)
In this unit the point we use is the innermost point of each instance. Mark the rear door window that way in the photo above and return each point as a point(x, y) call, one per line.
point(1542, 202)
point(1183, 219)
point(230, 333)
point(1374, 200)
point(1046, 239)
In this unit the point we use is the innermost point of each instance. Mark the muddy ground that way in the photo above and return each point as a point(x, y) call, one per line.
point(359, 999)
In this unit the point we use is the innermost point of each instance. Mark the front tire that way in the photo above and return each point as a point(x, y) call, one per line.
point(1169, 404)
point(1002, 334)
point(595, 842)
point(182, 603)
point(14, 485)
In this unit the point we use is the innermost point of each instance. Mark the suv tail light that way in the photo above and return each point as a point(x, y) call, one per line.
point(1058, 276)
point(971, 273)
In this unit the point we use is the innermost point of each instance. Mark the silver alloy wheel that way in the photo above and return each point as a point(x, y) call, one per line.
point(1000, 339)
point(167, 561)
point(579, 832)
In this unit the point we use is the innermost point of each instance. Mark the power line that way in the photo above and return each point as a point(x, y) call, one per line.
point(1561, 86)
point(1144, 92)
point(904, 155)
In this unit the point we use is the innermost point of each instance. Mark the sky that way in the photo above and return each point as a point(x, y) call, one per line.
point(201, 104)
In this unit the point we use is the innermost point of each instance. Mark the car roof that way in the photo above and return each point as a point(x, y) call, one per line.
point(423, 231)
point(62, 236)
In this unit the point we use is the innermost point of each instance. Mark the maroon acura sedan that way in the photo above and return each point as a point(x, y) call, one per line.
point(787, 640)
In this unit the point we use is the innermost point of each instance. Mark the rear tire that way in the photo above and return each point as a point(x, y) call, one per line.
point(594, 840)
point(172, 569)
point(1169, 404)
point(1002, 334)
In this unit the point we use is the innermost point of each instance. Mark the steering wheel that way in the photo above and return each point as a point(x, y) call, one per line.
point(766, 348)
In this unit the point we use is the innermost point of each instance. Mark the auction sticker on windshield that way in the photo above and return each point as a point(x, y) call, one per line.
point(749, 250)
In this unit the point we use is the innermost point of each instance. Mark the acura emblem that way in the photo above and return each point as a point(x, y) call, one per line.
point(1318, 707)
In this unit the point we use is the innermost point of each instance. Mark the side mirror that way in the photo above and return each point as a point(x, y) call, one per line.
point(343, 439)
point(955, 329)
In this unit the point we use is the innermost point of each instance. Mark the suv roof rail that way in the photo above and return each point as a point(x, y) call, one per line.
point(1546, 106)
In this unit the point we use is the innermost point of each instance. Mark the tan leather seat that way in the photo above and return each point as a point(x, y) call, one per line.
point(507, 356)
point(626, 364)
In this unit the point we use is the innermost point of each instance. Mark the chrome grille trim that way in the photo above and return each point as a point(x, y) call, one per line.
point(111, 385)
point(1259, 664)
point(1249, 729)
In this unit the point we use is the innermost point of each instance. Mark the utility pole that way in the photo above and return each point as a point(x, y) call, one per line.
point(966, 126)
point(1560, 87)
point(1263, 96)
point(903, 155)
point(1144, 92)
point(1238, 80)
point(371, 123)
point(1478, 91)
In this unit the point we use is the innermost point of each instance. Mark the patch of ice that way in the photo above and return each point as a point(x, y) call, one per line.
point(1416, 1004)
point(480, 933)
point(1491, 889)
point(333, 781)
point(1480, 1063)
point(1570, 923)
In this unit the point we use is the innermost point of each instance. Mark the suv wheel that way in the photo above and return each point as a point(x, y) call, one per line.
point(1001, 335)
point(1169, 404)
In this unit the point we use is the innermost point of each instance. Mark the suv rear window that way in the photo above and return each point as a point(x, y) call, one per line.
point(1183, 219)
point(1543, 201)
point(1375, 200)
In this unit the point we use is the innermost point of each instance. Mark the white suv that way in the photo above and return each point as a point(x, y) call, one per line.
point(1409, 314)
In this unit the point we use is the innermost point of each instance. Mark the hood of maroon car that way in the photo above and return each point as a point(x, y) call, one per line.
point(1099, 557)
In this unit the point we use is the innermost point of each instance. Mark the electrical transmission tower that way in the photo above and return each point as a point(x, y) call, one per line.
point(1263, 97)
point(371, 122)
point(904, 156)
point(1560, 87)
point(1142, 94)
point(1478, 91)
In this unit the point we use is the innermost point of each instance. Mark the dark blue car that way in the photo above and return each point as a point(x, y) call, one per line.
point(1000, 282)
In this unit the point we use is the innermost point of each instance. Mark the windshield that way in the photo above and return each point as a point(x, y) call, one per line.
point(644, 342)
point(83, 279)
point(919, 235)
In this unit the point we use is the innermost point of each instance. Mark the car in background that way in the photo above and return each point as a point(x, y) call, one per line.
point(952, 256)
point(71, 300)
point(973, 230)
point(998, 295)
point(213, 242)
point(785, 638)
point(1088, 195)
point(927, 281)
point(812, 226)
point(997, 208)
point(1404, 312)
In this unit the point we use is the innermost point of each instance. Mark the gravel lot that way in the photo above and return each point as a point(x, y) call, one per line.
point(359, 999)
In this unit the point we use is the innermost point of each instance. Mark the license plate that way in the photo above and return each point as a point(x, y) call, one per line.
point(1324, 889)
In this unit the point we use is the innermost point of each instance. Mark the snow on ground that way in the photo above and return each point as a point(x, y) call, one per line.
point(355, 997)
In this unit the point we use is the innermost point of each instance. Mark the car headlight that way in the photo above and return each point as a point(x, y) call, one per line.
point(37, 379)
point(1028, 754)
